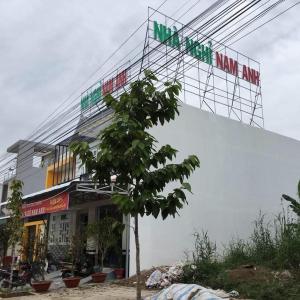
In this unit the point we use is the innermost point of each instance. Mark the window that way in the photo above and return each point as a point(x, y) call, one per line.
point(36, 161)
point(59, 231)
point(63, 217)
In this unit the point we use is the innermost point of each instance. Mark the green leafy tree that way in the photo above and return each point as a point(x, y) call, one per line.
point(294, 204)
point(130, 152)
point(76, 249)
point(15, 222)
point(289, 235)
point(4, 237)
point(106, 233)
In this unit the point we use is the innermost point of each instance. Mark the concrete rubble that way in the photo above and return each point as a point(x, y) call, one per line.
point(172, 290)
point(190, 292)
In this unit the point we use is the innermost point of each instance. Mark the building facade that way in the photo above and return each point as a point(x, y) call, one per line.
point(244, 170)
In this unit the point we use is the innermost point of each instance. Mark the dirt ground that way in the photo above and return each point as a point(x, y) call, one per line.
point(131, 281)
point(89, 292)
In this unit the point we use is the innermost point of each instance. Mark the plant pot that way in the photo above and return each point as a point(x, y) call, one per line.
point(7, 260)
point(99, 277)
point(41, 286)
point(71, 282)
point(120, 273)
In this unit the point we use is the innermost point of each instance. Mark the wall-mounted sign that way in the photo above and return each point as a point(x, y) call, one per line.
point(46, 206)
point(204, 53)
point(95, 94)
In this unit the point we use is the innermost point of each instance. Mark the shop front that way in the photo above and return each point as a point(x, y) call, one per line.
point(58, 217)
point(36, 223)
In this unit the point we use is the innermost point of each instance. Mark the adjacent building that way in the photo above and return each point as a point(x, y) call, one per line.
point(243, 170)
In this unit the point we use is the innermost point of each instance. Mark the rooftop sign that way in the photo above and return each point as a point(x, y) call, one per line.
point(95, 94)
point(204, 53)
point(214, 77)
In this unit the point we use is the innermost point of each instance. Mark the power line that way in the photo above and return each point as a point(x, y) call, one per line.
point(98, 69)
point(237, 16)
point(219, 2)
point(63, 115)
point(271, 19)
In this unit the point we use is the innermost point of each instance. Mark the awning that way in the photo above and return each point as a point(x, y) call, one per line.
point(45, 192)
point(46, 201)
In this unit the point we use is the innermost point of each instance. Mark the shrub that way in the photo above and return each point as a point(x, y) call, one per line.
point(204, 266)
point(262, 246)
point(236, 253)
point(287, 240)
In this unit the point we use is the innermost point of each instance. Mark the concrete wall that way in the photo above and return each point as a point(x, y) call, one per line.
point(1, 189)
point(243, 170)
point(32, 177)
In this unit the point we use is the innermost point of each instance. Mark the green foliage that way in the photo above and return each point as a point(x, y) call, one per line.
point(268, 248)
point(4, 237)
point(294, 204)
point(262, 245)
point(272, 289)
point(78, 242)
point(106, 232)
point(236, 253)
point(129, 151)
point(287, 242)
point(277, 247)
point(204, 248)
point(15, 222)
point(271, 246)
point(204, 266)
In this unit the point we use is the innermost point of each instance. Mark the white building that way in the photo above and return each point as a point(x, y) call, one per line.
point(244, 170)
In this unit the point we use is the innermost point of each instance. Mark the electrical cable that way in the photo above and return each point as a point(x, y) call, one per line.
point(289, 8)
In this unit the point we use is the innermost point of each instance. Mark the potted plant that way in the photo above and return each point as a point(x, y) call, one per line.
point(16, 230)
point(106, 232)
point(38, 283)
point(41, 286)
point(119, 270)
point(71, 280)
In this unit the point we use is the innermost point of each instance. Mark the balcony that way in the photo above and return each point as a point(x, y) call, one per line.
point(63, 167)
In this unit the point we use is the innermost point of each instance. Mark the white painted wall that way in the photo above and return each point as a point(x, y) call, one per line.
point(243, 170)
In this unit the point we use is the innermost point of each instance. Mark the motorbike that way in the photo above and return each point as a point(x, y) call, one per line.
point(26, 274)
point(81, 269)
point(52, 263)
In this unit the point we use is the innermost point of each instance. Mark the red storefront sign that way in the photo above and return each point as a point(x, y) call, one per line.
point(46, 206)
point(115, 83)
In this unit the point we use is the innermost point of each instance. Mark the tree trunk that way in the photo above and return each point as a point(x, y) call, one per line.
point(5, 248)
point(96, 258)
point(12, 266)
point(96, 255)
point(102, 261)
point(137, 257)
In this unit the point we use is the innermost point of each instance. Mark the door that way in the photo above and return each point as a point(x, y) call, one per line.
point(34, 244)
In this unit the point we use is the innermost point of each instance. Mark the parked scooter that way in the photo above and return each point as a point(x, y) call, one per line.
point(52, 263)
point(27, 273)
point(84, 269)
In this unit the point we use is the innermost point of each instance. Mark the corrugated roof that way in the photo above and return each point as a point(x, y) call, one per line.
point(54, 188)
